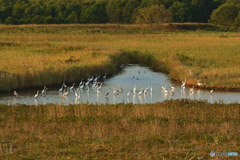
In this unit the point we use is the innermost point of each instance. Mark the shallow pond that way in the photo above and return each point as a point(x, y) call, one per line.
point(131, 75)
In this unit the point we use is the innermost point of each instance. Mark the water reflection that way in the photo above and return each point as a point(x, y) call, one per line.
point(131, 77)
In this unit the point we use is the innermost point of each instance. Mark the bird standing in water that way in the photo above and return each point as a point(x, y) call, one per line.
point(36, 95)
point(16, 94)
point(44, 90)
point(107, 92)
point(121, 90)
point(211, 91)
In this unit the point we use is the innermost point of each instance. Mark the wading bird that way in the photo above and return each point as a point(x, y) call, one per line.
point(211, 91)
point(191, 90)
point(61, 89)
point(94, 84)
point(166, 91)
point(71, 88)
point(95, 79)
point(121, 66)
point(36, 95)
point(104, 77)
point(145, 91)
point(44, 90)
point(91, 79)
point(99, 86)
point(65, 93)
point(86, 84)
point(16, 94)
point(64, 85)
point(199, 84)
point(81, 82)
point(115, 90)
point(134, 89)
point(107, 92)
point(183, 84)
point(172, 86)
point(121, 90)
point(139, 93)
point(81, 87)
point(163, 89)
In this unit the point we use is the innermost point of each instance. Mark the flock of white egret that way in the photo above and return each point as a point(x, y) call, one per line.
point(95, 84)
point(136, 84)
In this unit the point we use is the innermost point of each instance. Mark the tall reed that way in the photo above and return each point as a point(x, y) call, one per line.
point(174, 129)
point(37, 55)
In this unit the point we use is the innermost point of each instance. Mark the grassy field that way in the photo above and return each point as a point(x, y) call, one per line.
point(179, 129)
point(37, 55)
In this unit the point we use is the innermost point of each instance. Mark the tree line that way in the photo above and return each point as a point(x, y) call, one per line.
point(223, 12)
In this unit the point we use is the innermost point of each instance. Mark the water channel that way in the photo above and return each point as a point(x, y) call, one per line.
point(131, 75)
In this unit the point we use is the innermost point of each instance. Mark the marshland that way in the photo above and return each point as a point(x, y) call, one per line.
point(33, 56)
point(37, 55)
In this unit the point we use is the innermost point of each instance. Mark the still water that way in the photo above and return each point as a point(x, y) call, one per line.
point(131, 75)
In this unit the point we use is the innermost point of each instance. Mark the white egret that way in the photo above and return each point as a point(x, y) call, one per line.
point(172, 86)
point(16, 94)
point(128, 93)
point(191, 90)
point(61, 89)
point(116, 91)
point(139, 93)
point(99, 86)
point(91, 79)
point(107, 92)
point(121, 90)
point(81, 82)
point(71, 88)
point(44, 89)
point(82, 85)
point(86, 84)
point(199, 84)
point(94, 84)
point(104, 77)
point(145, 91)
point(183, 88)
point(88, 90)
point(36, 95)
point(65, 93)
point(166, 91)
point(183, 83)
point(64, 85)
point(163, 89)
point(95, 79)
point(211, 91)
point(134, 89)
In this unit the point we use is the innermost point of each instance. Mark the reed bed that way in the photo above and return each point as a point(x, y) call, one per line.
point(37, 55)
point(175, 129)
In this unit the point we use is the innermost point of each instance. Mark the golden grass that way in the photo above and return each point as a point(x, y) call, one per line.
point(179, 129)
point(37, 55)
